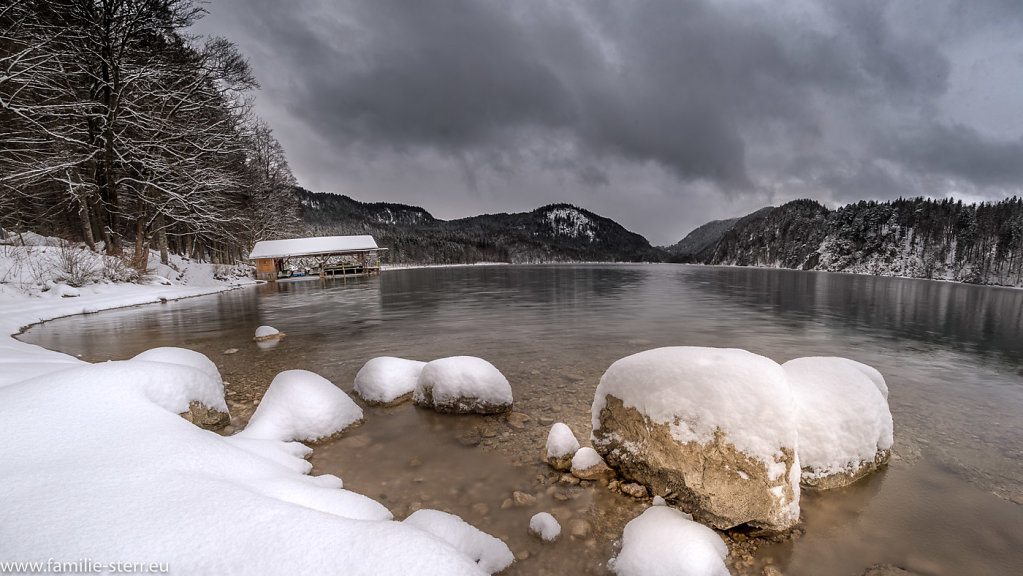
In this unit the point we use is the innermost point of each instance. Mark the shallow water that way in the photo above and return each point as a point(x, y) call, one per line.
point(949, 502)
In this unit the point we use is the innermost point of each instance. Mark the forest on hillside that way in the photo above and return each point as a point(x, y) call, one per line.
point(118, 128)
point(554, 233)
point(916, 238)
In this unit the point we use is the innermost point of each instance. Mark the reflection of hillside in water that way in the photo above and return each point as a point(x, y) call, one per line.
point(977, 319)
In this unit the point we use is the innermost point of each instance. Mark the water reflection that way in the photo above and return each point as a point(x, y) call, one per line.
point(978, 319)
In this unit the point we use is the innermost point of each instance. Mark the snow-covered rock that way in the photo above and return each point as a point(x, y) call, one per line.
point(267, 333)
point(663, 542)
point(387, 380)
point(491, 554)
point(544, 526)
point(183, 357)
point(463, 384)
point(303, 406)
point(844, 423)
point(588, 465)
point(713, 428)
point(561, 447)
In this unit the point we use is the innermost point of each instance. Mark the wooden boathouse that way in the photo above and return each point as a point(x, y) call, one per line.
point(324, 256)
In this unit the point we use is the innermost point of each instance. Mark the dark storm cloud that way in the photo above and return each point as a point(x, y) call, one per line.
point(840, 100)
point(960, 151)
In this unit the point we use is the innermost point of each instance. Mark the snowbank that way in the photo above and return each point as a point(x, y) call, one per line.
point(386, 379)
point(663, 542)
point(301, 405)
point(843, 417)
point(491, 554)
point(101, 448)
point(463, 384)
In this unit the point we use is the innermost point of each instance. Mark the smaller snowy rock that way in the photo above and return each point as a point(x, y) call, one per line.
point(303, 406)
point(844, 423)
point(267, 333)
point(663, 541)
point(203, 416)
point(387, 380)
point(544, 526)
point(588, 465)
point(561, 447)
point(463, 385)
point(183, 357)
point(65, 291)
point(491, 554)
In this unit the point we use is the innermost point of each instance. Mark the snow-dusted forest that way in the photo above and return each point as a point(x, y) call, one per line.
point(119, 127)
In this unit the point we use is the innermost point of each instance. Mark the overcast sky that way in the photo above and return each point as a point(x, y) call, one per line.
point(660, 114)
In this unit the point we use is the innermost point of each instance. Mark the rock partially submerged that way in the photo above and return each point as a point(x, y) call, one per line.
point(588, 465)
point(463, 385)
point(843, 419)
point(711, 429)
point(303, 406)
point(199, 413)
point(561, 447)
point(388, 381)
point(265, 333)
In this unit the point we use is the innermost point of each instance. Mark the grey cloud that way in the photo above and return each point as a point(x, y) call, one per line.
point(738, 98)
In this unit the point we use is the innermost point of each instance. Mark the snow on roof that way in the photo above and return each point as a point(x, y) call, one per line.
point(310, 246)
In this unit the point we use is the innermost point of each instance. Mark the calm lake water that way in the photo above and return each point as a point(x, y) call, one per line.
point(949, 503)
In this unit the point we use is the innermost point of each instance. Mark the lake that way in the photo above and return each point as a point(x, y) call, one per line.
point(949, 503)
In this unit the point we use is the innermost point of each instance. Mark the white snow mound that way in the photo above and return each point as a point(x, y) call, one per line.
point(463, 377)
point(183, 357)
point(264, 331)
point(561, 441)
point(586, 458)
point(663, 542)
point(698, 390)
point(843, 416)
point(545, 526)
point(491, 554)
point(385, 379)
point(304, 406)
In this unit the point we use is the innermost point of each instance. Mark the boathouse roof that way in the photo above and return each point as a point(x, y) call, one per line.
point(312, 246)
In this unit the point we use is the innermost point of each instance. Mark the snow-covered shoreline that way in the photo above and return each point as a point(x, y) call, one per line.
point(98, 464)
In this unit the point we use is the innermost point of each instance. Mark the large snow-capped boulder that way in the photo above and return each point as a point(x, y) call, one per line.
point(303, 406)
point(663, 540)
point(712, 429)
point(843, 419)
point(463, 384)
point(561, 447)
point(387, 380)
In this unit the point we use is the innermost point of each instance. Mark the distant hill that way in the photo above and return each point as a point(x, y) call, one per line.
point(554, 233)
point(706, 236)
point(916, 238)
